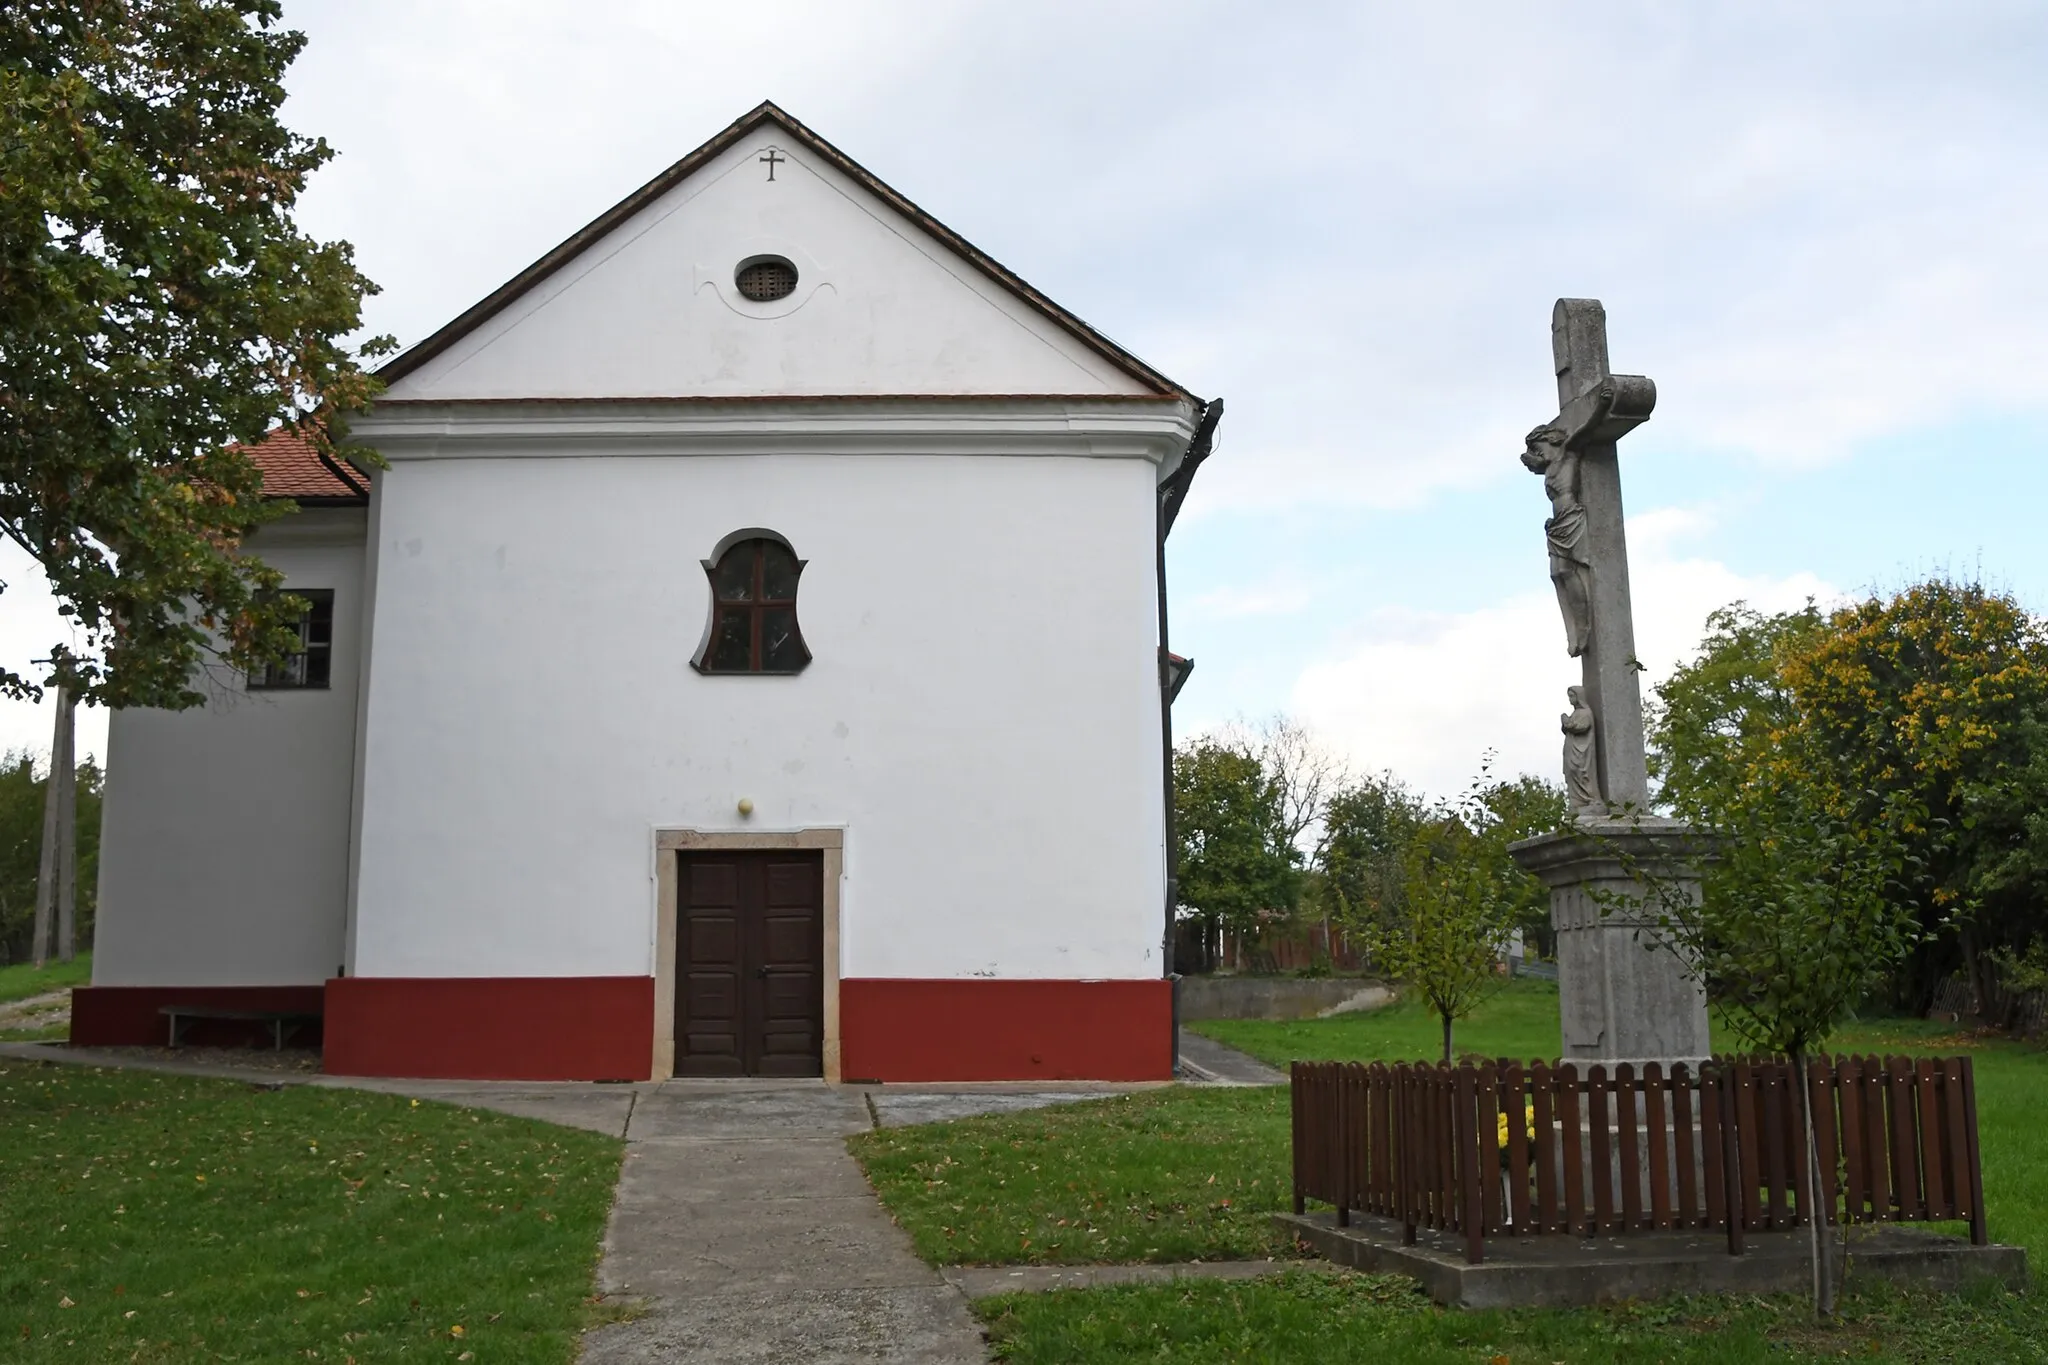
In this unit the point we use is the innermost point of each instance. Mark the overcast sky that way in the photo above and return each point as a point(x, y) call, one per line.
point(1822, 229)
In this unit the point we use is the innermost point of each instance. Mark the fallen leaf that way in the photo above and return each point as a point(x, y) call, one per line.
point(456, 1330)
point(66, 1302)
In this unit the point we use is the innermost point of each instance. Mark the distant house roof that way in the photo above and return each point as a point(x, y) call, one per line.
point(768, 113)
point(292, 468)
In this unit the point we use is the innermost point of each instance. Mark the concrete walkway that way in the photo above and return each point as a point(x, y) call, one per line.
point(1208, 1062)
point(753, 1236)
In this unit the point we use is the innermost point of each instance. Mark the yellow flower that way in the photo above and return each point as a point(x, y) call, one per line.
point(1528, 1118)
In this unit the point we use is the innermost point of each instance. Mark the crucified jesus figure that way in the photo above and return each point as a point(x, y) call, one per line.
point(1553, 451)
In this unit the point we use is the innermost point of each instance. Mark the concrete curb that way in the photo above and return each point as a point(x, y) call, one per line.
point(58, 1054)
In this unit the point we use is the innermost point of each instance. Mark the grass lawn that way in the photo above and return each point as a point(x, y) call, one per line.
point(1167, 1175)
point(21, 981)
point(153, 1218)
point(1309, 1318)
point(1187, 1174)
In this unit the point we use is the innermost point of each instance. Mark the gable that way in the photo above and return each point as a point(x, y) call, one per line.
point(644, 303)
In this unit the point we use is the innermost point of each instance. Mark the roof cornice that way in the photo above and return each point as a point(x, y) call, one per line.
point(1155, 430)
point(767, 112)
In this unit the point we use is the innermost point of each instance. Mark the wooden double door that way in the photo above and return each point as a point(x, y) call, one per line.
point(750, 963)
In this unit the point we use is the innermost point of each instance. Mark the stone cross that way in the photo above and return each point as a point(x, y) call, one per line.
point(1596, 407)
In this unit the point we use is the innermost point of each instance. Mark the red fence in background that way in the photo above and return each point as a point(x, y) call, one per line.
point(1502, 1149)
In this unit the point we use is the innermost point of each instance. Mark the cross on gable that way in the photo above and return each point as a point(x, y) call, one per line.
point(774, 159)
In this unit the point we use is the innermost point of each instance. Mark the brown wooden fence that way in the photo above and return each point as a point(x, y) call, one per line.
point(1440, 1147)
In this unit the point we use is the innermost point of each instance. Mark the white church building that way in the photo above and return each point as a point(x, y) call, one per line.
point(750, 660)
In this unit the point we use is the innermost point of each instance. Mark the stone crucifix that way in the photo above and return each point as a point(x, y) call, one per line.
point(1575, 453)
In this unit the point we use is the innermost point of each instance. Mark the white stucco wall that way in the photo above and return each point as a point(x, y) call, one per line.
point(225, 833)
point(981, 713)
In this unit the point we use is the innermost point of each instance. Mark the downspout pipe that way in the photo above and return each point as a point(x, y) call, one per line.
point(1172, 493)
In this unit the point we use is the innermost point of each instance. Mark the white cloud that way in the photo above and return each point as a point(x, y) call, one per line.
point(29, 625)
point(1426, 695)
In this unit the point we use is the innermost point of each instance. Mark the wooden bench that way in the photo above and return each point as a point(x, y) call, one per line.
point(283, 1023)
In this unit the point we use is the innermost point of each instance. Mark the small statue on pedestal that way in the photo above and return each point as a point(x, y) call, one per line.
point(1581, 773)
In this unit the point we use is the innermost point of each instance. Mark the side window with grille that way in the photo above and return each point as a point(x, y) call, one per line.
point(312, 663)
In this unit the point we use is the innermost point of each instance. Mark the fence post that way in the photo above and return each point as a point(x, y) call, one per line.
point(1465, 1124)
point(1294, 1098)
point(1408, 1171)
point(1733, 1175)
point(1978, 1235)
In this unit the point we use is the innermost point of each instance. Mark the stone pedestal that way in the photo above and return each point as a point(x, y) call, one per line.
point(1624, 995)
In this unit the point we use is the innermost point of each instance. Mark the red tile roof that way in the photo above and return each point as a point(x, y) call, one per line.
point(293, 469)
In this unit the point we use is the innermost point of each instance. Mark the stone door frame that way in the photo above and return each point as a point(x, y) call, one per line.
point(830, 843)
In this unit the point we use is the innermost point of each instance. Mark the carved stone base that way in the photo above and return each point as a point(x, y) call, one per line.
point(1624, 995)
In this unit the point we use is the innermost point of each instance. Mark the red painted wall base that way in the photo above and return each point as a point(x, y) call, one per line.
point(896, 1029)
point(529, 1028)
point(127, 1016)
point(601, 1028)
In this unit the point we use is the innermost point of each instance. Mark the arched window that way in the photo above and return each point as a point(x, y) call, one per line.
point(753, 607)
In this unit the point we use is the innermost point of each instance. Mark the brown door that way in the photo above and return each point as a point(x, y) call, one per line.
point(750, 949)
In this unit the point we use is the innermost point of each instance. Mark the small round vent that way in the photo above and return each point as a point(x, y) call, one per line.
point(765, 279)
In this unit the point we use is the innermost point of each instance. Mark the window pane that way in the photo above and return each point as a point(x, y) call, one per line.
point(733, 579)
point(782, 650)
point(731, 641)
point(778, 572)
point(315, 665)
point(319, 624)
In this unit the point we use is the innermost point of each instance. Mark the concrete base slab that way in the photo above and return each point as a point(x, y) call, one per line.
point(1560, 1272)
point(809, 1111)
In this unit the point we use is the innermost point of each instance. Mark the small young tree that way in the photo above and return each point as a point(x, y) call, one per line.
point(1460, 899)
point(1802, 914)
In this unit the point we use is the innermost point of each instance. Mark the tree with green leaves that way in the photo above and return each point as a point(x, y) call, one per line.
point(1358, 868)
point(158, 306)
point(1237, 864)
point(1460, 895)
point(1805, 907)
point(1517, 810)
point(1922, 714)
point(22, 800)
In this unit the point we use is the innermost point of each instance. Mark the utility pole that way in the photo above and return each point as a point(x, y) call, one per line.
point(57, 868)
point(66, 776)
